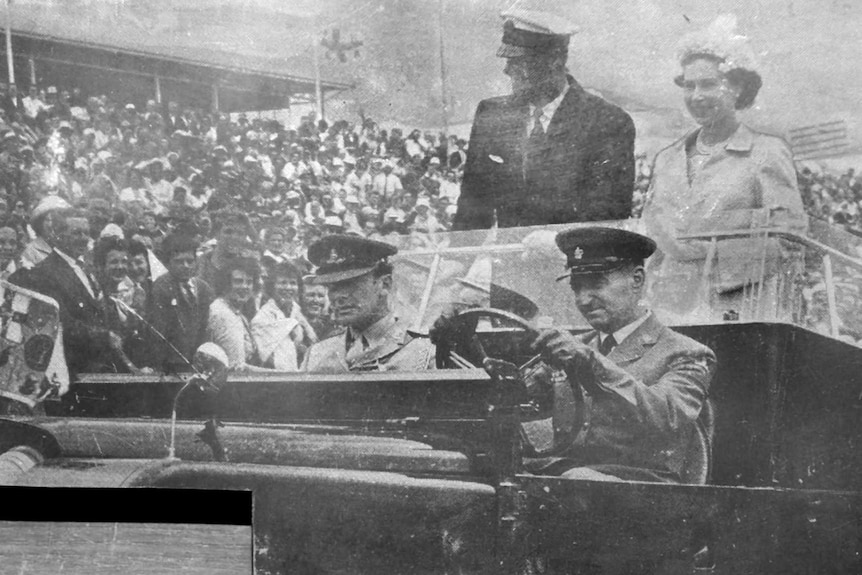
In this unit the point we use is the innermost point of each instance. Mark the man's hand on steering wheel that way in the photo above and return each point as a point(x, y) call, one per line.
point(560, 349)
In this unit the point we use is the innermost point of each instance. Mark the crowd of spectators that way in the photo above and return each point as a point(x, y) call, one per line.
point(250, 188)
point(836, 198)
point(147, 169)
point(238, 188)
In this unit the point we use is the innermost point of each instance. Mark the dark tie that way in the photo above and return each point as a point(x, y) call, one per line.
point(607, 345)
point(94, 285)
point(188, 294)
point(538, 130)
point(535, 144)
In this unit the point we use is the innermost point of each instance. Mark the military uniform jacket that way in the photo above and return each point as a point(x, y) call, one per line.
point(641, 406)
point(583, 171)
point(391, 349)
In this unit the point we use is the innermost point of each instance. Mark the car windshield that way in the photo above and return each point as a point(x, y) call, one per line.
point(518, 269)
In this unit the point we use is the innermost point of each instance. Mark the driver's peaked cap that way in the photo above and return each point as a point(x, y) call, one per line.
point(595, 250)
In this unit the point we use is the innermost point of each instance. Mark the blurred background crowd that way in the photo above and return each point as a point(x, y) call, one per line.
point(148, 171)
point(258, 188)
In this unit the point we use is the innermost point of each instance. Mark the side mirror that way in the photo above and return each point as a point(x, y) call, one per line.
point(211, 366)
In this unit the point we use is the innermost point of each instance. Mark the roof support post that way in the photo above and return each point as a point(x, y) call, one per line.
point(215, 105)
point(32, 66)
point(318, 92)
point(10, 64)
point(158, 85)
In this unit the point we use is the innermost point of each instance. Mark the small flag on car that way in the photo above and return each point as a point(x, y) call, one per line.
point(32, 362)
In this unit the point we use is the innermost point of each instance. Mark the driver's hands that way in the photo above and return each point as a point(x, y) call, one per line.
point(560, 349)
point(444, 331)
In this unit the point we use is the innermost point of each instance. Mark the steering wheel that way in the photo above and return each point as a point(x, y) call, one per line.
point(459, 346)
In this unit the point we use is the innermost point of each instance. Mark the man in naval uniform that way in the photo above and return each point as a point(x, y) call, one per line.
point(358, 276)
point(551, 152)
point(630, 398)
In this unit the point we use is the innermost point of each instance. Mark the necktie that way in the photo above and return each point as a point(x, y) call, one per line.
point(534, 143)
point(188, 295)
point(607, 345)
point(356, 348)
point(538, 130)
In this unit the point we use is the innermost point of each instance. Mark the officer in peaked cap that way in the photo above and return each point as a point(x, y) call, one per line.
point(597, 250)
point(630, 397)
point(549, 153)
point(358, 277)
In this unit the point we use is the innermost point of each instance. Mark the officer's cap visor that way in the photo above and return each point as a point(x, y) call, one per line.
point(510, 51)
point(591, 269)
point(342, 275)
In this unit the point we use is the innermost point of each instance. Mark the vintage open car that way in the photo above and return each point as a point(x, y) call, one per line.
point(420, 472)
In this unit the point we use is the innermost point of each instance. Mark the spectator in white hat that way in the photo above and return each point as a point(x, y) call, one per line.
point(424, 220)
point(33, 105)
point(40, 222)
point(386, 183)
point(351, 215)
point(357, 180)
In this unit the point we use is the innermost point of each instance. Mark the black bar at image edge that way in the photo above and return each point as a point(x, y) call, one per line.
point(138, 505)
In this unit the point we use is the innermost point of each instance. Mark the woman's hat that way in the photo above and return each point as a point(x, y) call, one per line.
point(720, 40)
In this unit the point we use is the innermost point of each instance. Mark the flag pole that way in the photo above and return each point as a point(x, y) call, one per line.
point(10, 64)
point(443, 93)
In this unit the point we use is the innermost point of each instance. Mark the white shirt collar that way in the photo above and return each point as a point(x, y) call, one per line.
point(621, 334)
point(548, 110)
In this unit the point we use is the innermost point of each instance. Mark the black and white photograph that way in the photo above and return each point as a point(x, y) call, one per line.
point(134, 548)
point(440, 286)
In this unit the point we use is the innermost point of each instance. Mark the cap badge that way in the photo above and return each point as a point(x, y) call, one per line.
point(335, 257)
point(579, 253)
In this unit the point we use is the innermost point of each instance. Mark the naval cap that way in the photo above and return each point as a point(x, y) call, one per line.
point(593, 250)
point(340, 257)
point(528, 30)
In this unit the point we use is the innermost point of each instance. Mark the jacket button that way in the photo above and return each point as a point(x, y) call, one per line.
point(586, 425)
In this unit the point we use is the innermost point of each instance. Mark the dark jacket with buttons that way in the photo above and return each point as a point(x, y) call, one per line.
point(181, 319)
point(582, 171)
point(86, 320)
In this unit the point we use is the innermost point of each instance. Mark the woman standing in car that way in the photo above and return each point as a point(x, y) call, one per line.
point(723, 176)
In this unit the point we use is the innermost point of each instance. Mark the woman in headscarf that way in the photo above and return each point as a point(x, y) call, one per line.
point(722, 176)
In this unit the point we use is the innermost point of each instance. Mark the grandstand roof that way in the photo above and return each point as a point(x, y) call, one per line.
point(119, 43)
